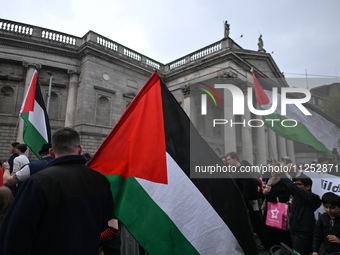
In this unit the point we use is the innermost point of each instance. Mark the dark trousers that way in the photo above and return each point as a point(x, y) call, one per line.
point(257, 223)
point(110, 251)
point(302, 242)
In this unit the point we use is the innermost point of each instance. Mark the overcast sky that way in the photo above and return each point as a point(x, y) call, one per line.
point(303, 35)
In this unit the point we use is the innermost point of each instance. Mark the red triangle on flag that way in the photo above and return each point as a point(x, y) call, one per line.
point(136, 145)
point(261, 96)
point(30, 97)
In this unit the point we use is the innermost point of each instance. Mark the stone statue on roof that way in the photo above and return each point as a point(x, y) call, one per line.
point(226, 29)
point(260, 44)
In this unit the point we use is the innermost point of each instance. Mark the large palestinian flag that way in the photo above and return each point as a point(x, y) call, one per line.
point(146, 159)
point(36, 124)
point(318, 130)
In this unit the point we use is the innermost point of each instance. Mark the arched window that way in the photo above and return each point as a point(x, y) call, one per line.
point(103, 111)
point(6, 99)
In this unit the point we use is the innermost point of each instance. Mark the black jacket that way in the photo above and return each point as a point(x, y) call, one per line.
point(278, 190)
point(324, 228)
point(304, 204)
point(60, 210)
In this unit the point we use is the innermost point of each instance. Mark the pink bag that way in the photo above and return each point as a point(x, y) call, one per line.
point(277, 215)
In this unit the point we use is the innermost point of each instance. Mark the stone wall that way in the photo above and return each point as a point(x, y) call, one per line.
point(95, 79)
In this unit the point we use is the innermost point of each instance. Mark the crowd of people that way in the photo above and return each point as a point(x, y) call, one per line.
point(41, 212)
point(303, 234)
point(39, 217)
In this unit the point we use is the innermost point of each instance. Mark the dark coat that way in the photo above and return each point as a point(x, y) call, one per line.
point(302, 209)
point(60, 210)
point(324, 228)
point(280, 191)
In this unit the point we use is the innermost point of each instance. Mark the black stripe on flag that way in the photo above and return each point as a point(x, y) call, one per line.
point(223, 194)
point(40, 101)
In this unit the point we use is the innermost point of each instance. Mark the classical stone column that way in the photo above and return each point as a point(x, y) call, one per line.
point(186, 101)
point(30, 70)
point(229, 132)
point(261, 144)
point(272, 144)
point(189, 103)
point(281, 147)
point(290, 150)
point(71, 98)
point(247, 138)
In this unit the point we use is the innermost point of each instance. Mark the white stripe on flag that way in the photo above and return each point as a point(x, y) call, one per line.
point(191, 212)
point(38, 120)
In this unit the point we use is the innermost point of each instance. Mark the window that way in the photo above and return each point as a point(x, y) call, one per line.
point(7, 100)
point(103, 111)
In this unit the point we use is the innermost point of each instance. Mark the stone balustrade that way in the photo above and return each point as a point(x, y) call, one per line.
point(197, 55)
point(58, 37)
point(107, 43)
point(15, 27)
point(206, 51)
point(55, 37)
point(132, 54)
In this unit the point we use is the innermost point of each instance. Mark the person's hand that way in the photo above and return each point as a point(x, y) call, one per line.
point(5, 165)
point(113, 223)
point(333, 239)
point(266, 190)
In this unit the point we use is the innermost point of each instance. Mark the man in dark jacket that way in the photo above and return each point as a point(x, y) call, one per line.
point(60, 210)
point(304, 204)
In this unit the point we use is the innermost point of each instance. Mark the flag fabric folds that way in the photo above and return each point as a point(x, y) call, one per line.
point(146, 158)
point(318, 130)
point(36, 130)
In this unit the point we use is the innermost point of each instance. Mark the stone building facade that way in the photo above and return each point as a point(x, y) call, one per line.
point(95, 79)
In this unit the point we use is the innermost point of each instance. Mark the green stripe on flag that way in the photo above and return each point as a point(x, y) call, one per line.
point(136, 210)
point(31, 136)
point(299, 133)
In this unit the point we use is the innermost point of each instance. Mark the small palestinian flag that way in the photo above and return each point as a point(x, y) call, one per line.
point(318, 130)
point(36, 124)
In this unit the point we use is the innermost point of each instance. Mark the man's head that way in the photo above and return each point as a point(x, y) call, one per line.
point(331, 203)
point(45, 150)
point(14, 147)
point(232, 159)
point(303, 182)
point(21, 148)
point(65, 141)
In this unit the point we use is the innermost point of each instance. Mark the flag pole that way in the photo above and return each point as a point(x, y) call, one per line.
point(49, 91)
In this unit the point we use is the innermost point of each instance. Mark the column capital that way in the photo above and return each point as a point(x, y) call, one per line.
point(185, 90)
point(30, 64)
point(70, 72)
